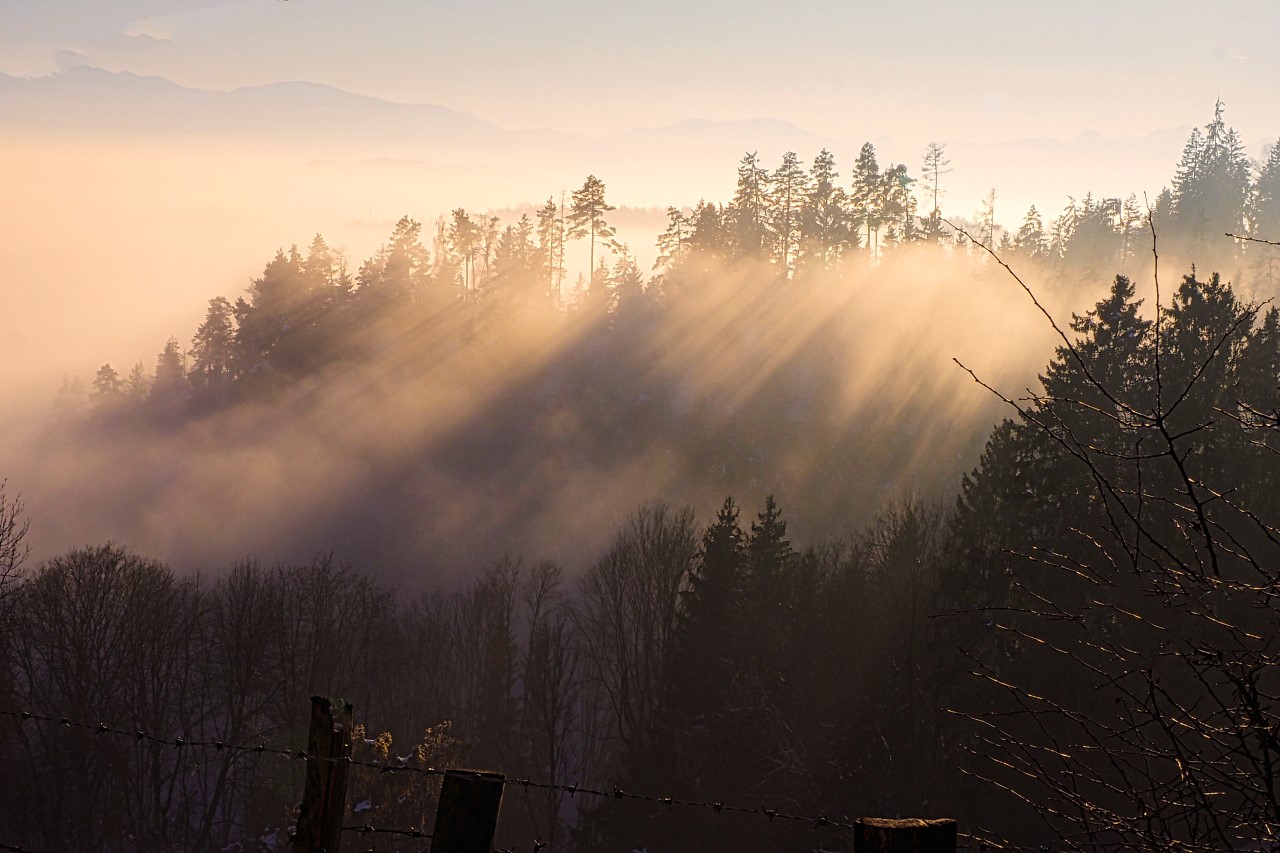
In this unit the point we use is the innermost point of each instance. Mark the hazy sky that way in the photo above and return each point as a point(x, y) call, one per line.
point(168, 223)
point(980, 70)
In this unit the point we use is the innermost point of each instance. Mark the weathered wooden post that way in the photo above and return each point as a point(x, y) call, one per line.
point(468, 812)
point(324, 797)
point(912, 835)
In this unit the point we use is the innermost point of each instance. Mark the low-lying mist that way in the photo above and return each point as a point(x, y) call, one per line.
point(466, 393)
point(435, 440)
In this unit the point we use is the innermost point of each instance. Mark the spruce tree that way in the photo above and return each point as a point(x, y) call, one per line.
point(169, 385)
point(825, 231)
point(867, 194)
point(1029, 242)
point(748, 213)
point(213, 347)
point(1210, 191)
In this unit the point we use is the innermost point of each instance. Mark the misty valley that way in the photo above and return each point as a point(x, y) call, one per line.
point(846, 506)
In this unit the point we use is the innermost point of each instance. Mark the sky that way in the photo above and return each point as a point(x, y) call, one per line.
point(979, 70)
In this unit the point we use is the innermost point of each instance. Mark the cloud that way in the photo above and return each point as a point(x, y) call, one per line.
point(65, 60)
point(38, 38)
point(73, 22)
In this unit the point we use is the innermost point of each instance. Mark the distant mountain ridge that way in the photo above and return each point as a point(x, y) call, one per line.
point(659, 165)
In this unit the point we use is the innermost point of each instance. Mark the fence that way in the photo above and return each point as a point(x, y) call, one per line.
point(470, 800)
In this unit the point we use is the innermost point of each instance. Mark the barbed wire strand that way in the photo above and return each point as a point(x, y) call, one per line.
point(401, 765)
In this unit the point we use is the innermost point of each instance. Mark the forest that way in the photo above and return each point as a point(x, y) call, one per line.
point(799, 570)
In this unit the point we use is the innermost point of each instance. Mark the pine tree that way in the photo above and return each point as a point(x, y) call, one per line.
point(587, 218)
point(934, 167)
point(673, 242)
point(107, 386)
point(465, 239)
point(551, 247)
point(489, 242)
point(787, 193)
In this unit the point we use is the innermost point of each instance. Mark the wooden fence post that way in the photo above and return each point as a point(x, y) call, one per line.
point(883, 835)
point(468, 812)
point(324, 797)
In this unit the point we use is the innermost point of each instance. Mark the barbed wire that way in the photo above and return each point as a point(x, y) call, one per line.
point(717, 806)
point(13, 848)
point(140, 735)
point(401, 765)
point(366, 829)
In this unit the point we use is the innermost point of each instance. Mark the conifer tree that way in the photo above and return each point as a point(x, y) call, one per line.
point(213, 347)
point(715, 584)
point(988, 218)
point(1210, 190)
point(748, 213)
point(673, 242)
point(405, 264)
point(768, 550)
point(517, 284)
point(137, 384)
point(897, 205)
point(69, 399)
point(934, 167)
point(787, 193)
point(587, 218)
point(275, 307)
point(1029, 242)
point(489, 242)
point(1264, 200)
point(709, 232)
point(324, 274)
point(1131, 226)
point(106, 384)
point(824, 219)
point(867, 195)
point(169, 384)
point(465, 239)
point(551, 246)
point(627, 285)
